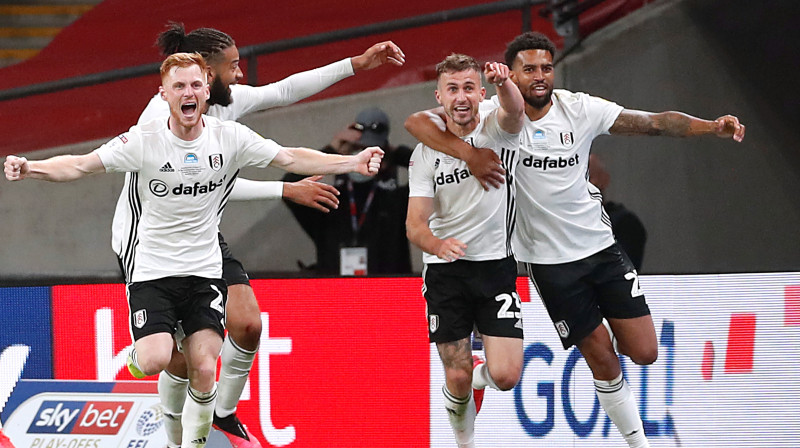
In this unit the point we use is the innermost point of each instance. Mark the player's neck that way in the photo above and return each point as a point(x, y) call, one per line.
point(186, 133)
point(465, 129)
point(535, 113)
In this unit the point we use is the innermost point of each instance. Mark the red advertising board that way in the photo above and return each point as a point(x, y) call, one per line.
point(342, 362)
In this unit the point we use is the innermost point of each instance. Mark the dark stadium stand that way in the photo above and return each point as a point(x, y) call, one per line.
point(120, 33)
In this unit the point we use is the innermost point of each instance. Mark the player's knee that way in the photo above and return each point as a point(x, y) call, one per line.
point(244, 325)
point(645, 356)
point(203, 370)
point(461, 377)
point(151, 363)
point(507, 379)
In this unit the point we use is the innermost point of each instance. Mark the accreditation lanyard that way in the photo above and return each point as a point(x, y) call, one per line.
point(356, 220)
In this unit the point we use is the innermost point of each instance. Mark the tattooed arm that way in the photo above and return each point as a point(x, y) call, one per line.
point(675, 124)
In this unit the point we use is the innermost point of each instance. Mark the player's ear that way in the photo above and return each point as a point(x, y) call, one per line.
point(438, 98)
point(162, 93)
point(483, 93)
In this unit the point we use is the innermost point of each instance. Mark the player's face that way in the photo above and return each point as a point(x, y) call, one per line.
point(186, 91)
point(460, 93)
point(224, 72)
point(533, 73)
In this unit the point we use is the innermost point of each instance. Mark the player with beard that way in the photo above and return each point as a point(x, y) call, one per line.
point(231, 101)
point(563, 236)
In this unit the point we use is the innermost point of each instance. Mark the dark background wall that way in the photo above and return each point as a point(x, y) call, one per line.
point(709, 205)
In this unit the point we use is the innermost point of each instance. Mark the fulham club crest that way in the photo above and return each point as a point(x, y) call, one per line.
point(140, 318)
point(215, 161)
point(567, 139)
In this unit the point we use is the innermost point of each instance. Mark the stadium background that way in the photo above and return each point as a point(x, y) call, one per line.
point(709, 206)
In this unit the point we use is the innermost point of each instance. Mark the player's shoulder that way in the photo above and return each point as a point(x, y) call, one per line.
point(568, 97)
point(153, 126)
point(576, 99)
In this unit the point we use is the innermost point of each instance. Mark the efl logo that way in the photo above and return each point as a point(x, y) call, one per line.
point(80, 417)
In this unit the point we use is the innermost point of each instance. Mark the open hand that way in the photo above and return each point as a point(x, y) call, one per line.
point(312, 193)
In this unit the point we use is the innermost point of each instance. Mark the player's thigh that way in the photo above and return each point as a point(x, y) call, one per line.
point(619, 294)
point(154, 351)
point(242, 314)
point(496, 304)
point(571, 302)
point(153, 306)
point(449, 314)
point(204, 306)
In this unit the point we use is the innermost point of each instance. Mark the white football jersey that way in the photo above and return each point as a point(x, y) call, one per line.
point(177, 191)
point(246, 99)
point(560, 216)
point(483, 220)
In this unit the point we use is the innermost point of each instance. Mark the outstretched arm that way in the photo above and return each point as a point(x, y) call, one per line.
point(304, 84)
point(55, 169)
point(675, 124)
point(419, 233)
point(428, 127)
point(309, 161)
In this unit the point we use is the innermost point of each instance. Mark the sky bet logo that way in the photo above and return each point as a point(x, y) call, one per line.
point(80, 417)
point(454, 178)
point(548, 164)
point(161, 189)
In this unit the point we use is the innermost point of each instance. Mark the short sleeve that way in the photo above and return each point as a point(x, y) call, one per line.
point(255, 150)
point(602, 112)
point(122, 153)
point(493, 129)
point(420, 173)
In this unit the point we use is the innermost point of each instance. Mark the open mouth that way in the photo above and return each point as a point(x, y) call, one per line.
point(540, 89)
point(189, 108)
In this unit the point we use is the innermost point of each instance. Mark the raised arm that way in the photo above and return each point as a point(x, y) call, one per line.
point(428, 127)
point(309, 161)
point(675, 124)
point(308, 192)
point(377, 55)
point(511, 114)
point(55, 169)
point(304, 84)
point(419, 233)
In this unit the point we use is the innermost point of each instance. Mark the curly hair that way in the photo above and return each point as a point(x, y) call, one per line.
point(206, 41)
point(528, 41)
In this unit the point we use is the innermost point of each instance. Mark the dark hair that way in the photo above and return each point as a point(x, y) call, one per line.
point(457, 63)
point(530, 40)
point(206, 41)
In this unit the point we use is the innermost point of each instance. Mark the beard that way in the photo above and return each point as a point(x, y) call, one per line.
point(539, 102)
point(219, 94)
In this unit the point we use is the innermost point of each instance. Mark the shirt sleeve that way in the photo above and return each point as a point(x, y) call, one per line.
point(420, 173)
point(122, 153)
point(493, 129)
point(249, 190)
point(603, 113)
point(255, 150)
point(248, 99)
